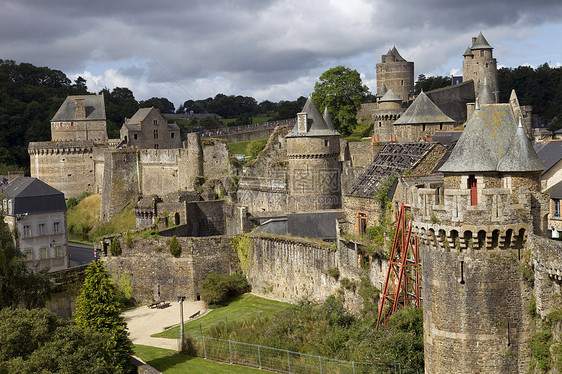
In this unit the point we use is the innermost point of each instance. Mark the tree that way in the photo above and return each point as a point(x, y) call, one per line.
point(38, 341)
point(342, 91)
point(175, 248)
point(426, 84)
point(98, 308)
point(115, 248)
point(161, 103)
point(19, 284)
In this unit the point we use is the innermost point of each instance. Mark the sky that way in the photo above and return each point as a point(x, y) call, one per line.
point(267, 49)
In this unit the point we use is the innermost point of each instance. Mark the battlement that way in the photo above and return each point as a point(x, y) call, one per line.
point(70, 147)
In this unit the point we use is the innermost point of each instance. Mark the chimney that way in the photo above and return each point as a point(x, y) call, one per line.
point(80, 109)
point(302, 123)
point(473, 40)
point(14, 175)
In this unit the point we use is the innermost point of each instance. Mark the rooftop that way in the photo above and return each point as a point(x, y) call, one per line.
point(94, 107)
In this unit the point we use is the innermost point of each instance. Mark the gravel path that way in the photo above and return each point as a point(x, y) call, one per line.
point(144, 321)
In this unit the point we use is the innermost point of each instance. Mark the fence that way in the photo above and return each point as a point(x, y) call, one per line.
point(268, 358)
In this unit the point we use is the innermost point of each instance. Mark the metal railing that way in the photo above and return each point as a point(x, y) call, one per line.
point(274, 359)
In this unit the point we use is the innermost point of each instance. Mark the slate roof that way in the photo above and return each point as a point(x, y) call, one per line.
point(94, 105)
point(139, 116)
point(393, 159)
point(390, 96)
point(317, 124)
point(468, 52)
point(423, 110)
point(489, 135)
point(481, 42)
point(319, 225)
point(550, 154)
point(394, 52)
point(485, 94)
point(556, 191)
point(382, 90)
point(31, 195)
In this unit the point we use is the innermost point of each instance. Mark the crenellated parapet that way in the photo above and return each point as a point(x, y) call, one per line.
point(56, 148)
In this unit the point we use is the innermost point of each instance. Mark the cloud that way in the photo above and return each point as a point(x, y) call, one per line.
point(272, 49)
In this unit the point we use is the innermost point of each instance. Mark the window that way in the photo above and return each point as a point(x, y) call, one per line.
point(361, 223)
point(43, 252)
point(26, 231)
point(326, 142)
point(155, 146)
point(155, 134)
point(28, 254)
point(481, 53)
point(556, 208)
point(42, 229)
point(471, 184)
point(172, 135)
point(58, 251)
point(56, 227)
point(155, 122)
point(135, 136)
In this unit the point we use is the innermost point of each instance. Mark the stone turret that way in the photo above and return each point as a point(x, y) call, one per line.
point(479, 63)
point(472, 234)
point(396, 74)
point(313, 149)
point(195, 154)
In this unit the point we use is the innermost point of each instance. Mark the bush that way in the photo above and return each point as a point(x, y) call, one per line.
point(221, 288)
point(175, 248)
point(115, 248)
point(334, 272)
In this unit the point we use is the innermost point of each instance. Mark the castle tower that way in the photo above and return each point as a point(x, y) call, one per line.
point(472, 234)
point(396, 74)
point(479, 63)
point(195, 157)
point(313, 149)
point(389, 109)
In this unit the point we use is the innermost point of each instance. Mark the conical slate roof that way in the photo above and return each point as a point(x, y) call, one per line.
point(382, 90)
point(317, 125)
point(468, 52)
point(485, 94)
point(423, 110)
point(521, 155)
point(481, 42)
point(491, 141)
point(390, 96)
point(394, 52)
point(328, 119)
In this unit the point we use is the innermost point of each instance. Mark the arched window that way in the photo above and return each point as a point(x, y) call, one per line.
point(481, 239)
point(176, 218)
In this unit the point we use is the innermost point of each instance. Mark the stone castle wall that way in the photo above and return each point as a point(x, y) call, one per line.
point(452, 100)
point(66, 166)
point(78, 131)
point(157, 275)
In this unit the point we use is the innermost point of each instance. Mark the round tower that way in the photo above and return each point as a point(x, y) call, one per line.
point(396, 74)
point(195, 160)
point(472, 235)
point(479, 63)
point(313, 150)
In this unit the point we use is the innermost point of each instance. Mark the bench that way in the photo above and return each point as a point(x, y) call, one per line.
point(159, 305)
point(194, 314)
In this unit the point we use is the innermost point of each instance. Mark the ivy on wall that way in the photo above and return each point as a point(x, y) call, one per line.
point(241, 245)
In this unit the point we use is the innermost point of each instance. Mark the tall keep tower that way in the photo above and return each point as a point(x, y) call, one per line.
point(479, 63)
point(472, 234)
point(396, 74)
point(313, 149)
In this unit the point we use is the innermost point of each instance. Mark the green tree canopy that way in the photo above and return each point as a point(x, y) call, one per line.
point(161, 103)
point(426, 84)
point(342, 91)
point(19, 284)
point(38, 341)
point(98, 308)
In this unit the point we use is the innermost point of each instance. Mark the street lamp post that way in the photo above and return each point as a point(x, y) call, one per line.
point(181, 300)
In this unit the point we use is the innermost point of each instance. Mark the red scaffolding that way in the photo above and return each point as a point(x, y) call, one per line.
point(402, 284)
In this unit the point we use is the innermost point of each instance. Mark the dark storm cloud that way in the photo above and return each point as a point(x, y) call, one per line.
point(249, 42)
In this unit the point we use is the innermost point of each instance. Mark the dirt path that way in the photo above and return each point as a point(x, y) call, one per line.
point(144, 321)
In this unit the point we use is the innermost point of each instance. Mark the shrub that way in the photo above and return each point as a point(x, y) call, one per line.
point(334, 272)
point(129, 240)
point(175, 248)
point(115, 248)
point(221, 288)
point(348, 284)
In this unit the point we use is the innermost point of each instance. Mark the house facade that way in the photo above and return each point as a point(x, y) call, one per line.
point(38, 212)
point(148, 129)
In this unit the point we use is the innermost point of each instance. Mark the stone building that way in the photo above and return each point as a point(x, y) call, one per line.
point(80, 117)
point(148, 129)
point(396, 74)
point(38, 212)
point(421, 120)
point(472, 233)
point(313, 151)
point(479, 63)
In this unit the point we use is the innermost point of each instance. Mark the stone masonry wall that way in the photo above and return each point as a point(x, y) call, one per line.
point(157, 275)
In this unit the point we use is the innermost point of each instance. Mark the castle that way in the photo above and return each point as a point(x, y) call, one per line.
point(477, 206)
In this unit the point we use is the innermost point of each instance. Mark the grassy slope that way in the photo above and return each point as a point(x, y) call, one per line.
point(241, 307)
point(169, 362)
point(239, 148)
point(83, 217)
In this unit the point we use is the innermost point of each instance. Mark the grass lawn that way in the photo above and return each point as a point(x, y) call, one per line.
point(170, 362)
point(239, 148)
point(241, 307)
